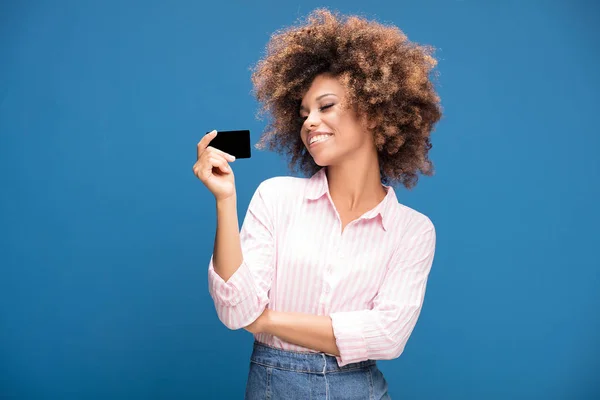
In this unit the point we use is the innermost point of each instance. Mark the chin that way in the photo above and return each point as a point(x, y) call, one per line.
point(322, 161)
point(318, 162)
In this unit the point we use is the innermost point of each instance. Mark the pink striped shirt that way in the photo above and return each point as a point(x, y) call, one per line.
point(369, 279)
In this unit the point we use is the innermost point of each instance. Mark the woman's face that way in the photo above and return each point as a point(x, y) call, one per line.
point(331, 132)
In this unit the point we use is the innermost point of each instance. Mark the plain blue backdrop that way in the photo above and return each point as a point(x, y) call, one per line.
point(106, 234)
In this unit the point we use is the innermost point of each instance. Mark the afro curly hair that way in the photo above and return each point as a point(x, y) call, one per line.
point(386, 78)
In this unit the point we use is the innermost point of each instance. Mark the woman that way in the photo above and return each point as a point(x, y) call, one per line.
point(329, 272)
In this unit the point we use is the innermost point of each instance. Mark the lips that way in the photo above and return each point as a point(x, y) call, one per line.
point(316, 133)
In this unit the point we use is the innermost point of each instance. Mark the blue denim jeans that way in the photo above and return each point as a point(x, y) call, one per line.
point(289, 375)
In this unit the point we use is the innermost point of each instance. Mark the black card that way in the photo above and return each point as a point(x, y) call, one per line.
point(236, 143)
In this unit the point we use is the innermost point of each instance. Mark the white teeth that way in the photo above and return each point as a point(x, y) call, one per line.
point(318, 138)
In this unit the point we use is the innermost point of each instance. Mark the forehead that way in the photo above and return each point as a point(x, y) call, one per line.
point(323, 84)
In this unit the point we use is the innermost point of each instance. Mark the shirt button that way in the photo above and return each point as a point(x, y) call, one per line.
point(327, 288)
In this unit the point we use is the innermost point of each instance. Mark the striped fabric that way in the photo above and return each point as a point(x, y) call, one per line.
point(369, 279)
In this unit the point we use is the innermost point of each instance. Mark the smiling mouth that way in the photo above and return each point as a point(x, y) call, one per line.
point(319, 139)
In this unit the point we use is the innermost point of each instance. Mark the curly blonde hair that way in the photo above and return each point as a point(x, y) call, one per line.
point(386, 78)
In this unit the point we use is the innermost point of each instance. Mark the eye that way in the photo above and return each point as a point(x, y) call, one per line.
point(302, 118)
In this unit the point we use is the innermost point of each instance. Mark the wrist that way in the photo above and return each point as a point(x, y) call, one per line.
point(227, 202)
point(269, 321)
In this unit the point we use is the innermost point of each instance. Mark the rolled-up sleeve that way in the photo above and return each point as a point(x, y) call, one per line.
point(381, 333)
point(241, 299)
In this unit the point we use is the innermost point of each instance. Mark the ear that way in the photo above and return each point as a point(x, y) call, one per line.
point(370, 123)
point(365, 121)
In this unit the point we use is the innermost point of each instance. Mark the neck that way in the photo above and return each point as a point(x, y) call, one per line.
point(356, 185)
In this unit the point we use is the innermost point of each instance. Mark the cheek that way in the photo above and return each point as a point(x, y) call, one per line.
point(334, 122)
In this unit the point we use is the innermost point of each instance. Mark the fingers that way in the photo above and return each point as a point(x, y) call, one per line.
point(226, 156)
point(203, 168)
point(210, 158)
point(203, 144)
point(217, 161)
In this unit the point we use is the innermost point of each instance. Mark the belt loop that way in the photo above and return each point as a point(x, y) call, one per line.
point(324, 363)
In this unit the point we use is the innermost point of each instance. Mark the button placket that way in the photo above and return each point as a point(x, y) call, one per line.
point(328, 274)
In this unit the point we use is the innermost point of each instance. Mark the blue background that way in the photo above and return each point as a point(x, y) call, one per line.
point(106, 234)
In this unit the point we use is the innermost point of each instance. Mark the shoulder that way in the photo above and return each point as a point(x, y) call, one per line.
point(412, 222)
point(282, 188)
point(413, 230)
point(285, 184)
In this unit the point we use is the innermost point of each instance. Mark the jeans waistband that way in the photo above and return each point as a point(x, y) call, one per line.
point(317, 363)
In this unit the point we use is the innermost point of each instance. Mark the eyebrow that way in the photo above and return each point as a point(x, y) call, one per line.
point(318, 98)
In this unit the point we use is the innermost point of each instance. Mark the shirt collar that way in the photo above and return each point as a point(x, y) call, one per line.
point(317, 187)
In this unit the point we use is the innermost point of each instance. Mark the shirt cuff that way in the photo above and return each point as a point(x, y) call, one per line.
point(347, 329)
point(235, 290)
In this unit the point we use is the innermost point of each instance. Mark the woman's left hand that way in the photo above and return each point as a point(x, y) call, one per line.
point(259, 326)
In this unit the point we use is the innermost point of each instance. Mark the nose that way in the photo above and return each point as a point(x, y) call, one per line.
point(312, 120)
